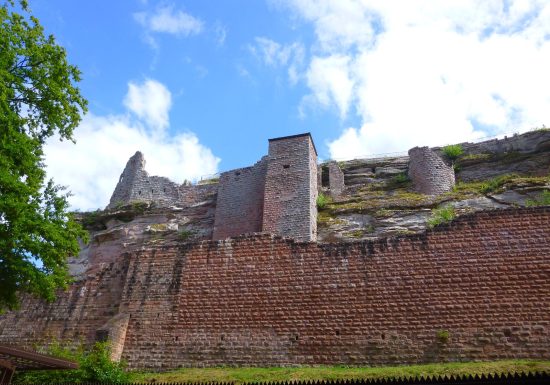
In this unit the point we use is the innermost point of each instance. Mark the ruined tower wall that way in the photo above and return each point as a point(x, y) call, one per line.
point(429, 173)
point(336, 179)
point(239, 207)
point(291, 188)
point(135, 185)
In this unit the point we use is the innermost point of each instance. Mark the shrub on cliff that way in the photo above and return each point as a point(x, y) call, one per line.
point(452, 151)
point(38, 99)
point(95, 366)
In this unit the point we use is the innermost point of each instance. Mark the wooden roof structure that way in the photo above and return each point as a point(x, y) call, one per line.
point(13, 358)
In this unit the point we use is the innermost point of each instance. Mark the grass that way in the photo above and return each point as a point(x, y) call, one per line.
point(308, 373)
point(542, 200)
point(441, 215)
point(323, 200)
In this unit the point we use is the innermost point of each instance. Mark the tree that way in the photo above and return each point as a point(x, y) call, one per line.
point(38, 99)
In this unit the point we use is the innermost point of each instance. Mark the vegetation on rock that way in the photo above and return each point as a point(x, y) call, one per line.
point(442, 215)
point(95, 366)
point(452, 151)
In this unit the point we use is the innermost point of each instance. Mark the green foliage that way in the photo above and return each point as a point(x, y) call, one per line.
point(95, 365)
point(323, 200)
point(496, 183)
point(37, 100)
point(401, 178)
point(452, 151)
point(185, 235)
point(442, 336)
point(543, 200)
point(441, 215)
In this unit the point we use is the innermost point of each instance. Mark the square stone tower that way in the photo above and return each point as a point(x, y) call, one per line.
point(290, 195)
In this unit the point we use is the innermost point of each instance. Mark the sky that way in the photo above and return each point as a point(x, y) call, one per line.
point(199, 86)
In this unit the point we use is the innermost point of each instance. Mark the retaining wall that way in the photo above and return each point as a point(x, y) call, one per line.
point(474, 290)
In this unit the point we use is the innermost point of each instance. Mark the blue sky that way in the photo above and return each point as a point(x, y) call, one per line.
point(199, 86)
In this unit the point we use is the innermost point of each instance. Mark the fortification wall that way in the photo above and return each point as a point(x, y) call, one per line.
point(533, 141)
point(239, 205)
point(265, 300)
point(78, 313)
point(429, 173)
point(291, 188)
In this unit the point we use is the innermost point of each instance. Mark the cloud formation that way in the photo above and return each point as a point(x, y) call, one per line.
point(151, 102)
point(274, 54)
point(91, 167)
point(166, 19)
point(420, 72)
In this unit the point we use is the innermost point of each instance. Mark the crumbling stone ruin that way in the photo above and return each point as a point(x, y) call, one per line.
point(206, 275)
point(429, 173)
point(276, 195)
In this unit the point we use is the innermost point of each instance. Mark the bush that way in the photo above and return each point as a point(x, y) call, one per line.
point(543, 200)
point(442, 335)
point(323, 200)
point(95, 366)
point(452, 151)
point(441, 215)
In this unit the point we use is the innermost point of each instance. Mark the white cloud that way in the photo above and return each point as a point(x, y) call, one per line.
point(166, 19)
point(274, 54)
point(91, 167)
point(420, 72)
point(329, 79)
point(151, 102)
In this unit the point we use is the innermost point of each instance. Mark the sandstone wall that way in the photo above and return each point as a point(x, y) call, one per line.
point(78, 313)
point(239, 205)
point(429, 173)
point(291, 188)
point(483, 280)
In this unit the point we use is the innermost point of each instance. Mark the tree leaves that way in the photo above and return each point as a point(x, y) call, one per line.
point(38, 98)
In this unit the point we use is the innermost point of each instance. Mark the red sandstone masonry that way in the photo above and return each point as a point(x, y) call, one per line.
point(265, 300)
point(239, 206)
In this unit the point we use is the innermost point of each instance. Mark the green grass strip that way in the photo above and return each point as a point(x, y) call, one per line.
point(271, 374)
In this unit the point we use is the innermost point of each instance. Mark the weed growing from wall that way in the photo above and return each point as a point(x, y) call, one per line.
point(441, 215)
point(442, 336)
point(323, 200)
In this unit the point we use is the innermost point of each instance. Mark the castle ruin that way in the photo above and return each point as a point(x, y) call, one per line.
point(245, 293)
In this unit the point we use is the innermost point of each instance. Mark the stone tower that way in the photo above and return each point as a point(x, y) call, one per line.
point(290, 195)
point(429, 173)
